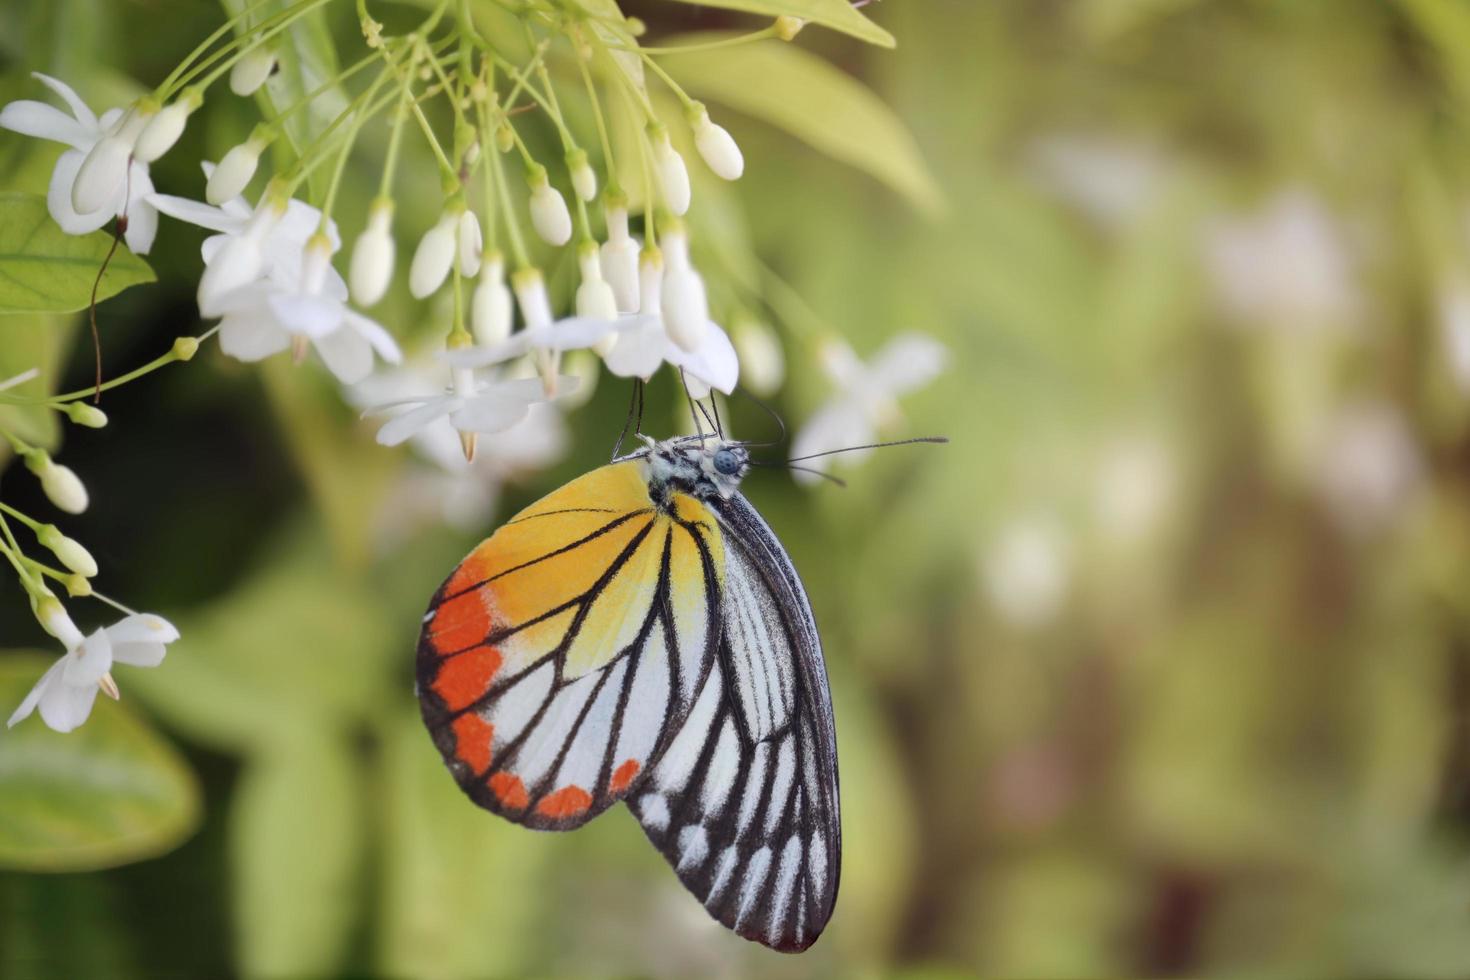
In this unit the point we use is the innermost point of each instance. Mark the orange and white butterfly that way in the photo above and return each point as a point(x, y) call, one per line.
point(641, 635)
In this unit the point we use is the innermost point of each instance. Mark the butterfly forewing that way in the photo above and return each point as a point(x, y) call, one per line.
point(744, 802)
point(559, 658)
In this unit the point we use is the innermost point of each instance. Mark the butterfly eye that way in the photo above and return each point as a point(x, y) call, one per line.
point(726, 463)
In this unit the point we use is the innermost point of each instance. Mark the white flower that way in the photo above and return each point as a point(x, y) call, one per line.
point(471, 406)
point(866, 397)
point(1368, 468)
point(673, 176)
point(372, 256)
point(267, 243)
point(116, 185)
point(233, 174)
point(435, 255)
point(620, 259)
point(595, 299)
point(762, 362)
point(643, 342)
point(65, 693)
point(584, 181)
point(716, 146)
point(269, 315)
point(470, 244)
point(490, 306)
point(1027, 570)
point(549, 213)
point(251, 71)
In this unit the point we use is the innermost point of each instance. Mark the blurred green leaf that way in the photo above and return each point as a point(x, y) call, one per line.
point(109, 793)
point(817, 103)
point(296, 840)
point(33, 340)
point(45, 270)
point(840, 15)
point(462, 888)
point(301, 640)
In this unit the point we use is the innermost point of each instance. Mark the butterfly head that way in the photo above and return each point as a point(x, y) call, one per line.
point(701, 466)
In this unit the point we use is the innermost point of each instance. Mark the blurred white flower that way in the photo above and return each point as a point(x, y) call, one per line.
point(97, 179)
point(491, 312)
point(251, 71)
point(65, 693)
point(471, 406)
point(865, 398)
point(435, 255)
point(1135, 487)
point(669, 168)
point(620, 259)
point(1368, 468)
point(1285, 267)
point(1454, 326)
point(1109, 180)
point(1026, 570)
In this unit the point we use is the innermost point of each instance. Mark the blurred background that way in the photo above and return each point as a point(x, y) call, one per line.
point(1161, 667)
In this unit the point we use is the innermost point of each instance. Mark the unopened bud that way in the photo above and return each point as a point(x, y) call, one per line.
point(673, 175)
point(715, 144)
point(490, 307)
point(372, 255)
point(685, 305)
point(185, 348)
point(165, 128)
point(549, 214)
point(505, 138)
point(787, 27)
point(471, 244)
point(251, 71)
point(78, 586)
point(435, 255)
point(67, 550)
point(102, 174)
point(584, 181)
point(88, 416)
point(233, 174)
point(61, 486)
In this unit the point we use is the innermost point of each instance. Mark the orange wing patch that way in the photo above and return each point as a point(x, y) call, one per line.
point(509, 790)
point(569, 801)
point(622, 777)
point(472, 738)
point(463, 679)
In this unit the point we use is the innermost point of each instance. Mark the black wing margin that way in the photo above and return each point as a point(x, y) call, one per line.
point(744, 803)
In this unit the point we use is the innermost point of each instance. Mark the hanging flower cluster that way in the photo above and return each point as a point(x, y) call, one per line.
point(483, 104)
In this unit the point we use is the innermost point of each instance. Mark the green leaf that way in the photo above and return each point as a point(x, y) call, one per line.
point(462, 889)
point(296, 840)
point(109, 793)
point(818, 104)
point(34, 340)
point(45, 270)
point(840, 15)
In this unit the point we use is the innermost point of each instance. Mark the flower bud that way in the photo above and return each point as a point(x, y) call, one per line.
point(762, 363)
point(595, 299)
point(372, 255)
point(549, 213)
point(717, 146)
point(233, 174)
point(77, 585)
point(686, 308)
point(61, 486)
point(490, 307)
point(251, 71)
point(584, 181)
point(185, 348)
point(52, 616)
point(787, 27)
point(87, 416)
point(620, 259)
point(434, 257)
point(67, 550)
point(673, 176)
point(530, 290)
point(650, 282)
point(101, 176)
point(505, 138)
point(165, 128)
point(470, 244)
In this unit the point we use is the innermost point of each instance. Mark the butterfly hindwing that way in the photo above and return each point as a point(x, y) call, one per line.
point(744, 802)
point(559, 658)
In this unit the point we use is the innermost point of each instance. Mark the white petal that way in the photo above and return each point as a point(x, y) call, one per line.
point(514, 346)
point(312, 316)
point(248, 337)
point(141, 628)
point(577, 332)
point(85, 666)
point(46, 122)
point(715, 363)
point(376, 335)
point(142, 216)
point(347, 354)
point(907, 362)
point(196, 213)
point(58, 197)
point(74, 102)
point(489, 414)
point(139, 654)
point(639, 350)
point(64, 706)
point(407, 425)
point(52, 676)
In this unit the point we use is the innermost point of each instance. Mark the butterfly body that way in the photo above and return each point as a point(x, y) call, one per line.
point(641, 635)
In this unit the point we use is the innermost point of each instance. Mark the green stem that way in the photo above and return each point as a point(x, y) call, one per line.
point(219, 32)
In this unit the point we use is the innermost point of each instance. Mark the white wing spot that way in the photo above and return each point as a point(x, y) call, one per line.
point(785, 886)
point(728, 857)
point(654, 811)
point(755, 877)
point(693, 846)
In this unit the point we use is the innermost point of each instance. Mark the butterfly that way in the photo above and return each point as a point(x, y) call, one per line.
point(640, 635)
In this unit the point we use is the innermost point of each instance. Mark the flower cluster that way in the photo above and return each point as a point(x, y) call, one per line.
point(527, 189)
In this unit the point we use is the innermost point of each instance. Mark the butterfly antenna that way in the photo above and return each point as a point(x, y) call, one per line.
point(714, 403)
point(801, 469)
point(940, 440)
point(693, 405)
point(714, 423)
point(772, 413)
